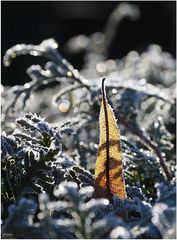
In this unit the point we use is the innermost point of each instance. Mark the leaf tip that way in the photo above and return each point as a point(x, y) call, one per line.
point(103, 86)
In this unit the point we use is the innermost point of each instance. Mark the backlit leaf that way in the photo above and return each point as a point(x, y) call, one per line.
point(109, 179)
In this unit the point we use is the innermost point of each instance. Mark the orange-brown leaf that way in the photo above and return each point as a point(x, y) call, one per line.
point(109, 179)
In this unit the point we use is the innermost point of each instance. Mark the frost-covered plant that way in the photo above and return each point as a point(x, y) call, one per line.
point(33, 162)
point(76, 214)
point(48, 162)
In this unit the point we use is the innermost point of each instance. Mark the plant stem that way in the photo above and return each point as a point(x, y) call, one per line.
point(151, 144)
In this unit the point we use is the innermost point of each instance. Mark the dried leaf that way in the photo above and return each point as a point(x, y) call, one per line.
point(109, 179)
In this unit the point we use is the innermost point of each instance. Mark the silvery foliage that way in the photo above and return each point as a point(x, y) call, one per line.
point(48, 162)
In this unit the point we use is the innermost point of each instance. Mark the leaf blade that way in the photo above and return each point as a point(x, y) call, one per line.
point(109, 179)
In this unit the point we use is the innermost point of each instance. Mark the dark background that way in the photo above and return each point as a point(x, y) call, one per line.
point(32, 22)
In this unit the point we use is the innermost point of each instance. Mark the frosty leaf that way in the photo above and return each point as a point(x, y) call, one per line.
point(108, 172)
